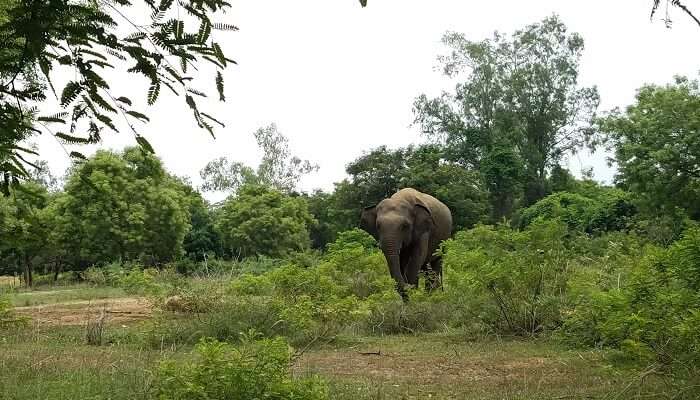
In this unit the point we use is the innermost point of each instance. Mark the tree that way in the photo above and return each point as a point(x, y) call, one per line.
point(202, 239)
point(382, 172)
point(657, 146)
point(24, 229)
point(520, 99)
point(123, 206)
point(278, 169)
point(264, 221)
point(88, 38)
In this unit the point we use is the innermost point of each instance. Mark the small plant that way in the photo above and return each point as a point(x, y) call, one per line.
point(8, 318)
point(95, 328)
point(257, 369)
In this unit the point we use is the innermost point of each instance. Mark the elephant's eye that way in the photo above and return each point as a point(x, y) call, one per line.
point(404, 225)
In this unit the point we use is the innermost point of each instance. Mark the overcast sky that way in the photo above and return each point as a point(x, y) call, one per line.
point(339, 79)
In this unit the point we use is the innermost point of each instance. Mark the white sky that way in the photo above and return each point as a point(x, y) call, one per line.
point(339, 79)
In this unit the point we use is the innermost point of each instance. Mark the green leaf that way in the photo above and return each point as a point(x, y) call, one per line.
point(219, 53)
point(224, 27)
point(144, 144)
point(70, 92)
point(75, 154)
point(107, 121)
point(220, 85)
point(153, 92)
point(204, 31)
point(138, 115)
point(124, 100)
point(65, 60)
point(51, 119)
point(71, 139)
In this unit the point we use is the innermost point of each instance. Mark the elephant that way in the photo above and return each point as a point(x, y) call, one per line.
point(409, 227)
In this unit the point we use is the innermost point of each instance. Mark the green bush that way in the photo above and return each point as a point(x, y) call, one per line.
point(257, 369)
point(604, 211)
point(8, 318)
point(649, 307)
point(517, 280)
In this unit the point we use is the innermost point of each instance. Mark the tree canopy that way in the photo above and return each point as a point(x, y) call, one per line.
point(88, 39)
point(656, 142)
point(517, 107)
point(264, 221)
point(278, 169)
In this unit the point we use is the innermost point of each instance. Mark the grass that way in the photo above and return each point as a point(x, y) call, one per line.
point(450, 367)
point(55, 361)
point(62, 294)
point(57, 364)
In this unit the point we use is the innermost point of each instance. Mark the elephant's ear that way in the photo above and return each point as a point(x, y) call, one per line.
point(423, 221)
point(368, 221)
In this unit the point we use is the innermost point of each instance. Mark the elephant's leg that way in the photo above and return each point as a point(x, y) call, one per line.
point(404, 256)
point(416, 260)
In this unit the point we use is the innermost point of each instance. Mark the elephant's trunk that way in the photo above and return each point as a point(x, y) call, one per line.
point(391, 250)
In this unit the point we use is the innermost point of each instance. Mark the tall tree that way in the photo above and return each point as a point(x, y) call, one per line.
point(278, 169)
point(25, 228)
point(38, 37)
point(381, 172)
point(519, 98)
point(657, 146)
point(264, 221)
point(121, 206)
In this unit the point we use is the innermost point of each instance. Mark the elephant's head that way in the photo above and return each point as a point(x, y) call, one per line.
point(397, 224)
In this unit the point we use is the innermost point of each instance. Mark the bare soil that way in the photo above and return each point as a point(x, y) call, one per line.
point(118, 311)
point(423, 369)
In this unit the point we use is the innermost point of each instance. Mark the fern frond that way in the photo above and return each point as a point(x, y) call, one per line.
point(70, 92)
point(153, 92)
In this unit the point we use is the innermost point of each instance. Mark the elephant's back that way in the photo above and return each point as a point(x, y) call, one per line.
point(441, 213)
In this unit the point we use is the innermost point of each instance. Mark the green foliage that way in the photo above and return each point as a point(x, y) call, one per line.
point(264, 221)
point(202, 239)
point(657, 146)
point(87, 38)
point(26, 222)
point(7, 316)
point(122, 206)
point(278, 169)
point(517, 279)
point(518, 104)
point(382, 172)
point(609, 210)
point(647, 306)
point(257, 369)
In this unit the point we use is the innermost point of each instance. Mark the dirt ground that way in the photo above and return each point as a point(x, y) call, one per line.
point(424, 369)
point(117, 310)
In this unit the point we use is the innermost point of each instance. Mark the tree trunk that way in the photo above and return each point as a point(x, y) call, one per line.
point(57, 269)
point(28, 278)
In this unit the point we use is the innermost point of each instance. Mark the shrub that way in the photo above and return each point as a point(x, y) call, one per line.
point(517, 279)
point(650, 310)
point(257, 369)
point(8, 318)
point(604, 211)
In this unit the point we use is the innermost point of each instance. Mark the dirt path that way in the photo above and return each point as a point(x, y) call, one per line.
point(118, 310)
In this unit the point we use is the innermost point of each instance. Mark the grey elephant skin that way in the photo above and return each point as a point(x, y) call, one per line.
point(409, 227)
